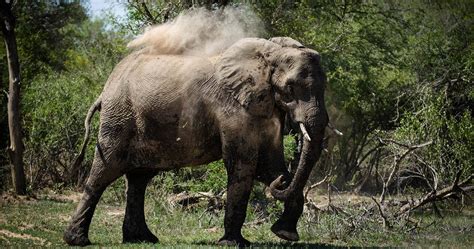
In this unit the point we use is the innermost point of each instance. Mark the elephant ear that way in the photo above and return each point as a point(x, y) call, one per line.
point(287, 42)
point(244, 72)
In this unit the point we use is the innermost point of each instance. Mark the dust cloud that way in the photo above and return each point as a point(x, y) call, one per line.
point(200, 32)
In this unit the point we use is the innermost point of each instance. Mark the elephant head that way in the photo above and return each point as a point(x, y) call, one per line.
point(265, 75)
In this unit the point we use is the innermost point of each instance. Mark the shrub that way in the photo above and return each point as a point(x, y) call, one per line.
point(54, 107)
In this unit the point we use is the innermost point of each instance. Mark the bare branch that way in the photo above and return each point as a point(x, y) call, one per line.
point(416, 146)
point(398, 160)
point(314, 186)
point(456, 187)
point(386, 223)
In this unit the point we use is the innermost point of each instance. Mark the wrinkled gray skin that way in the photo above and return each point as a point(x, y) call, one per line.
point(162, 112)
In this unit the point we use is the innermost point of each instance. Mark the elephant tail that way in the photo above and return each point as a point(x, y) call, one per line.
point(87, 123)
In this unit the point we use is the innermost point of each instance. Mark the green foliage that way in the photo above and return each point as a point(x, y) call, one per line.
point(207, 178)
point(289, 147)
point(442, 102)
point(42, 42)
point(53, 119)
point(42, 46)
point(54, 104)
point(453, 137)
point(214, 178)
point(140, 15)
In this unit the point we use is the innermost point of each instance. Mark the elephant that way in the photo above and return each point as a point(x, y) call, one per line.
point(163, 112)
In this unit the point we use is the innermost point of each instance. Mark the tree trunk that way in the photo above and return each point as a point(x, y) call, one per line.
point(16, 148)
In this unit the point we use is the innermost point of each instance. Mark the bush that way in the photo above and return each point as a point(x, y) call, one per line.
point(55, 103)
point(452, 136)
point(54, 109)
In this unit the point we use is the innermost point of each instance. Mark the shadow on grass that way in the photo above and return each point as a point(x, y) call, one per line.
point(288, 245)
point(208, 244)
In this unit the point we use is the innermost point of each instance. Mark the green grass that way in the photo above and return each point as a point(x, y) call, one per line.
point(40, 222)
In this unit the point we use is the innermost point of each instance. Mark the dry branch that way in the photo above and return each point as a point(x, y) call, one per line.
point(256, 222)
point(186, 199)
point(386, 223)
point(398, 161)
point(456, 187)
point(314, 186)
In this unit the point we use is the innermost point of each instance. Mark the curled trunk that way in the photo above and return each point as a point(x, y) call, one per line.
point(309, 156)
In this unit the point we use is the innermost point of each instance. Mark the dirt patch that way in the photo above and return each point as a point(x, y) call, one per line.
point(10, 198)
point(9, 234)
point(65, 217)
point(24, 226)
point(116, 212)
point(212, 230)
point(70, 197)
point(340, 199)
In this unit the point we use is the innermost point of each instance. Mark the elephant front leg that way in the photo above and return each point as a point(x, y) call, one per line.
point(271, 166)
point(134, 226)
point(240, 174)
point(285, 226)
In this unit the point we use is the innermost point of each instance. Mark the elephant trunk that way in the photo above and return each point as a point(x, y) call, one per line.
point(310, 153)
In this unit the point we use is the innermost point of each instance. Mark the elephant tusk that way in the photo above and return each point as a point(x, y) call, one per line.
point(325, 144)
point(305, 132)
point(334, 129)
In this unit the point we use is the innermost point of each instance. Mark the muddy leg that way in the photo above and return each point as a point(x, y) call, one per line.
point(240, 174)
point(134, 226)
point(100, 177)
point(285, 226)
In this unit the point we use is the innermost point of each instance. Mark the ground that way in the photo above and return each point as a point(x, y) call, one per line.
point(40, 221)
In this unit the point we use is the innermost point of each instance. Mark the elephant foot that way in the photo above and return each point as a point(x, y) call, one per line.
point(285, 231)
point(76, 237)
point(239, 241)
point(139, 236)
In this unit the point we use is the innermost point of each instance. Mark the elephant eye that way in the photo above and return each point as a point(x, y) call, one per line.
point(289, 93)
point(291, 90)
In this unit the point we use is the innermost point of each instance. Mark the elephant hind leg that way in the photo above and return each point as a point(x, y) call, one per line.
point(101, 176)
point(134, 226)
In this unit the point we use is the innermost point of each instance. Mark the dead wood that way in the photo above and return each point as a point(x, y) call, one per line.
point(455, 188)
point(398, 160)
point(186, 199)
point(386, 223)
point(256, 222)
point(314, 186)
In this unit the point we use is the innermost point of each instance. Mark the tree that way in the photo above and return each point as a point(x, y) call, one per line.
point(46, 36)
point(16, 148)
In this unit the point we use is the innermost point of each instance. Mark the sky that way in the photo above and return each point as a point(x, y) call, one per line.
point(98, 6)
